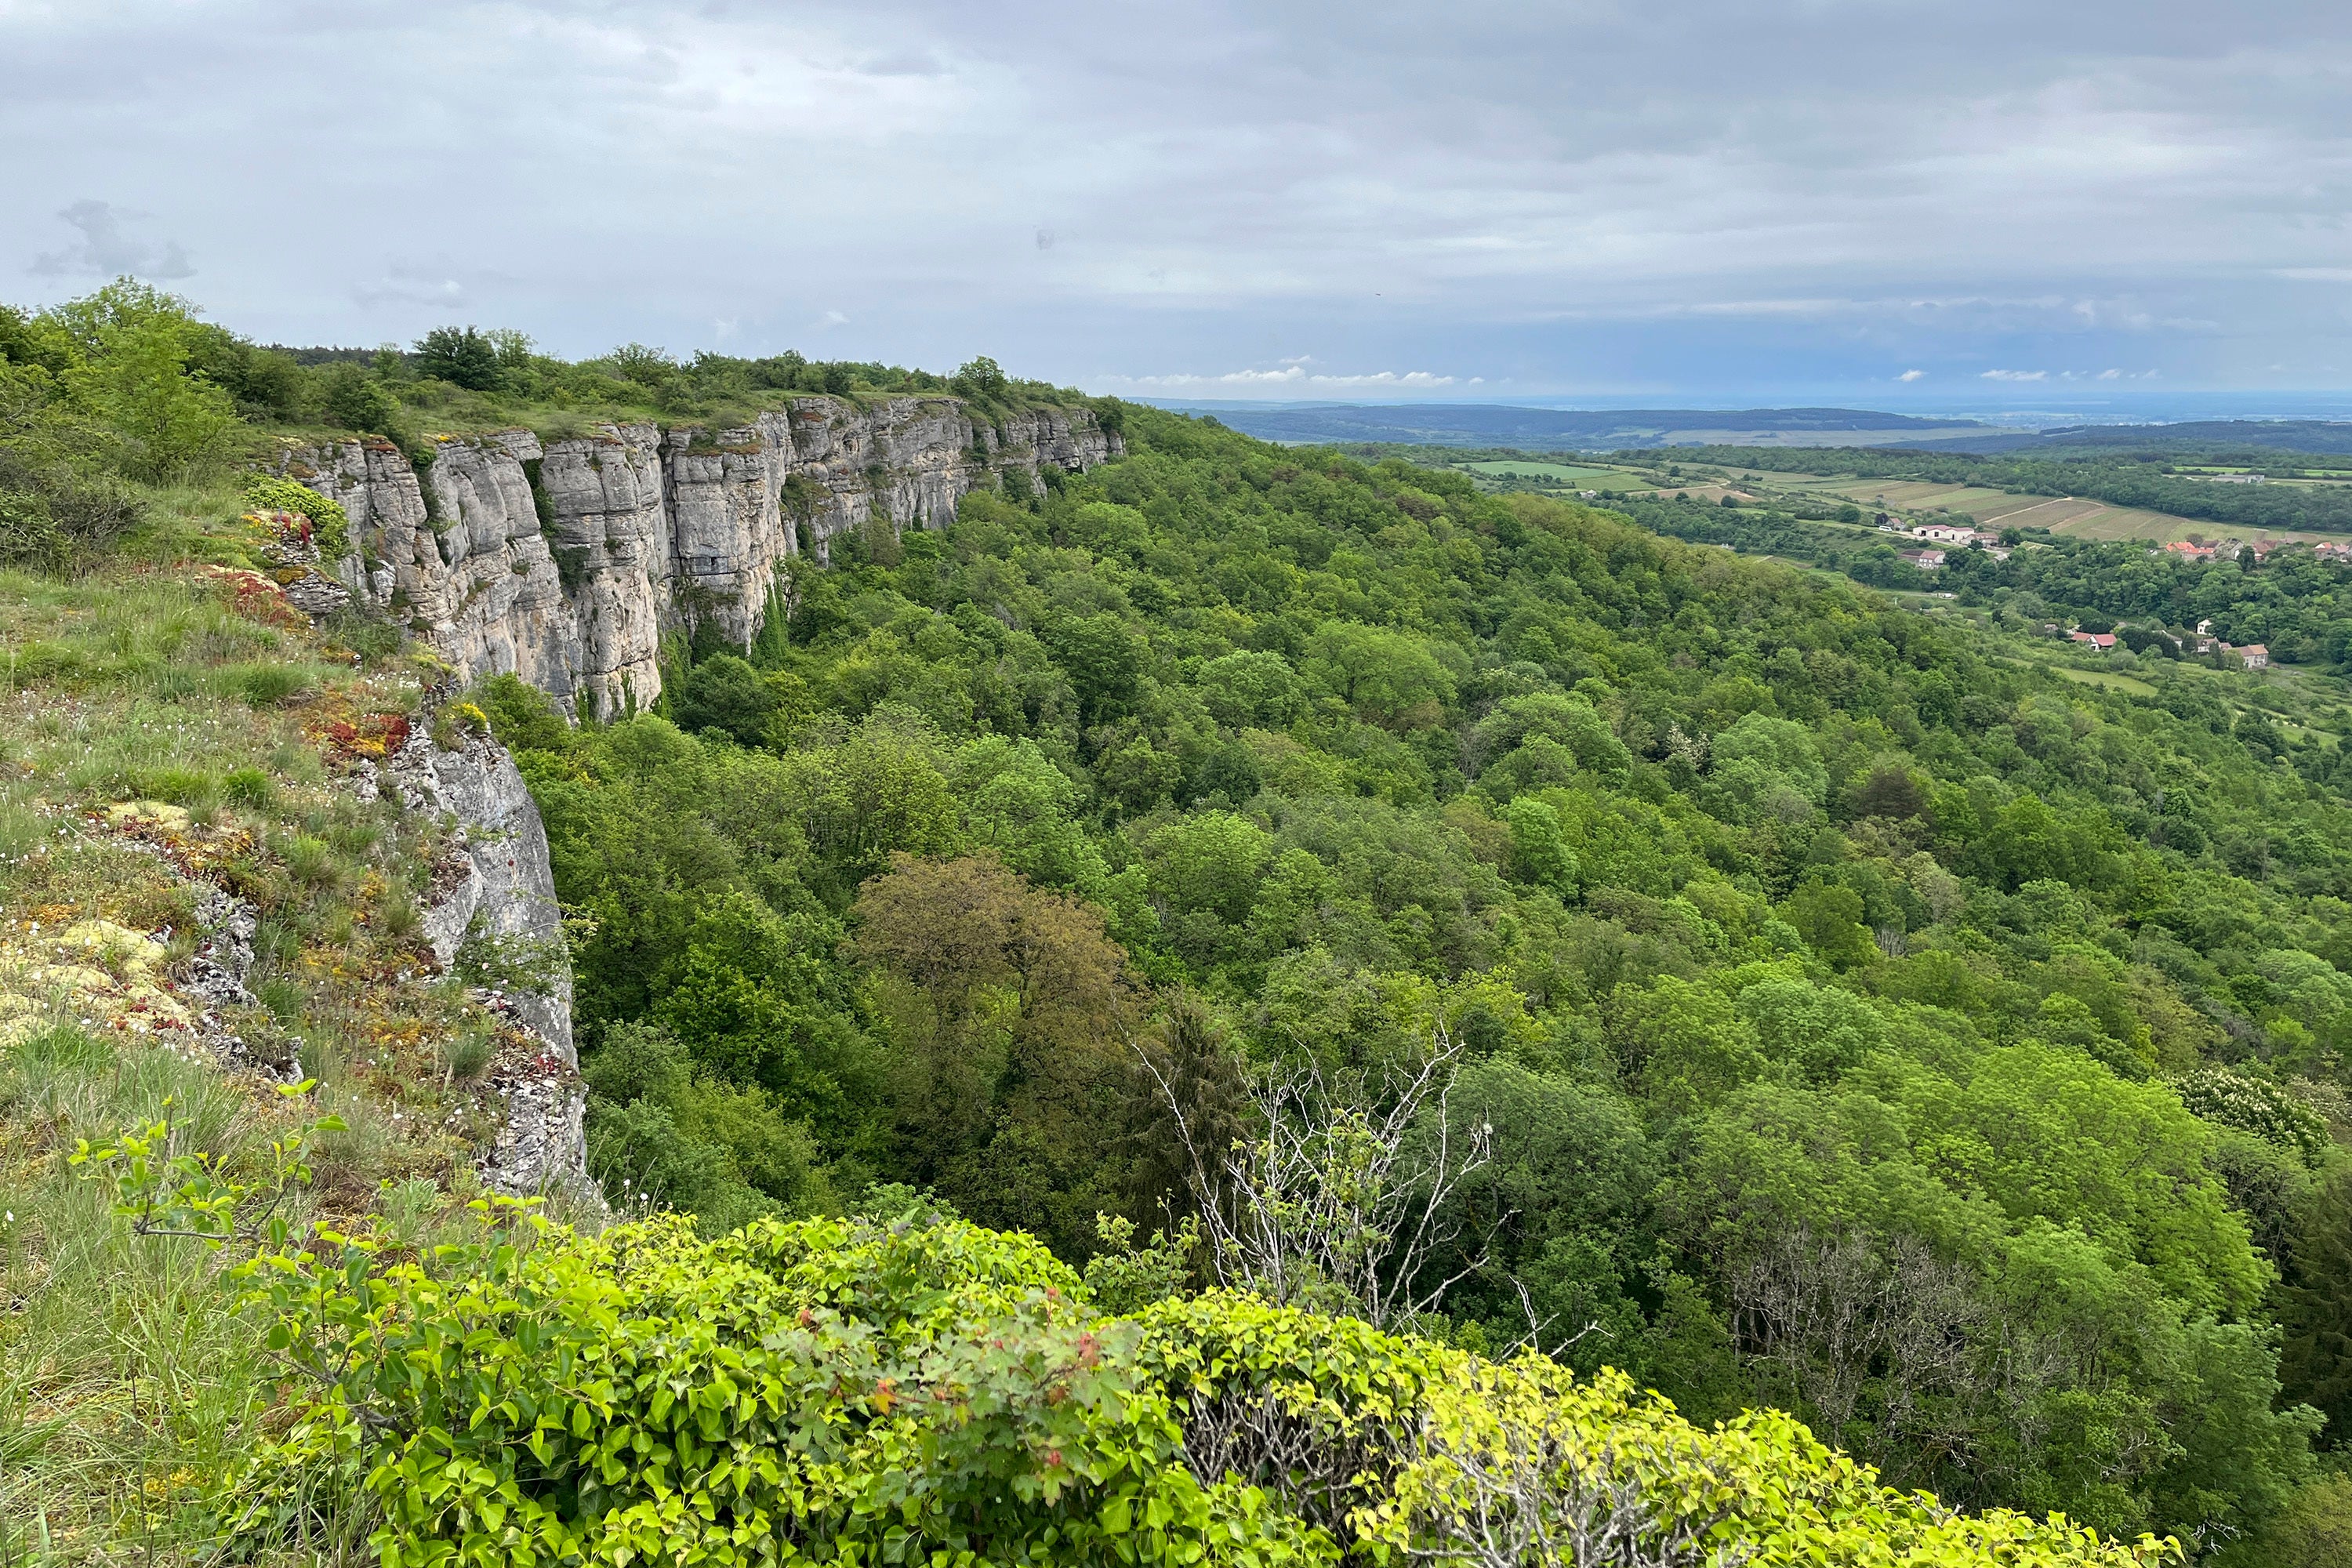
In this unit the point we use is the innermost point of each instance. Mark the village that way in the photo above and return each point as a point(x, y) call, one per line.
point(2198, 644)
point(1934, 541)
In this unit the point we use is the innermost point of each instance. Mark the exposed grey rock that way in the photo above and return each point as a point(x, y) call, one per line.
point(541, 1143)
point(565, 562)
point(501, 884)
point(497, 888)
point(317, 595)
point(225, 955)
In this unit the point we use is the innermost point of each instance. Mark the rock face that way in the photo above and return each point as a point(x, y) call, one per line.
point(565, 562)
point(502, 894)
point(506, 894)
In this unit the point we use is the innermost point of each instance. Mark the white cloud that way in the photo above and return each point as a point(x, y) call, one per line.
point(1911, 375)
point(2016, 375)
point(108, 248)
point(1293, 374)
point(401, 284)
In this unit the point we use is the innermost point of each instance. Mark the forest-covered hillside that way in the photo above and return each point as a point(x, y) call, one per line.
point(2291, 601)
point(1455, 924)
point(1865, 1023)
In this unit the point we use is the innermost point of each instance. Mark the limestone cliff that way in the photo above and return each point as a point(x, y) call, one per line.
point(565, 560)
point(498, 890)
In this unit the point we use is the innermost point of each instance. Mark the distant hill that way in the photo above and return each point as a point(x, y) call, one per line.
point(1491, 424)
point(2205, 435)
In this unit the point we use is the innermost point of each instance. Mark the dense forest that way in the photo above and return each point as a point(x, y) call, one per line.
point(1683, 965)
point(1863, 1024)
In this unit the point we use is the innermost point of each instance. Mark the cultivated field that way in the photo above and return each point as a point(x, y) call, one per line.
point(1561, 473)
point(1998, 509)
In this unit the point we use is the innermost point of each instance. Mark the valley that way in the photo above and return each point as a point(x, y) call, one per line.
point(797, 952)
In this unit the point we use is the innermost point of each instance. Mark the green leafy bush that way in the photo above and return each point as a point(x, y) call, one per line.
point(329, 523)
point(927, 1390)
point(358, 401)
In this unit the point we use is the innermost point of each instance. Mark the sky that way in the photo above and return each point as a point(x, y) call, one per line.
point(1884, 203)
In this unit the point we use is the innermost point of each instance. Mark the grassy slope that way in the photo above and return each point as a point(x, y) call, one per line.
point(129, 1385)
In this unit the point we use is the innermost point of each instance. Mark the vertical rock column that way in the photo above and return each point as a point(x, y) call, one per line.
point(506, 899)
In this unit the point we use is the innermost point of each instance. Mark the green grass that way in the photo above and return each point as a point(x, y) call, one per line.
point(128, 1382)
point(127, 1379)
point(1586, 477)
point(134, 1383)
point(2106, 678)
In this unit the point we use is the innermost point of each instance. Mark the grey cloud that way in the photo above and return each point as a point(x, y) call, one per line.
point(410, 286)
point(1513, 190)
point(903, 62)
point(108, 250)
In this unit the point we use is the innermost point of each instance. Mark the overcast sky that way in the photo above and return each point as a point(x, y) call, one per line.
point(1725, 199)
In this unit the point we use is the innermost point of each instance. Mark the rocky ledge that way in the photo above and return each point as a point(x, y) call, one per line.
point(564, 561)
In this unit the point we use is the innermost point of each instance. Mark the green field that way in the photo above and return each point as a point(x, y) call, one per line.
point(1559, 473)
point(2108, 678)
point(1999, 509)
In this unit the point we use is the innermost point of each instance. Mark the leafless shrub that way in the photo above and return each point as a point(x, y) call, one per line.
point(1538, 1499)
point(1336, 1201)
point(53, 518)
point(1314, 1458)
point(1908, 1357)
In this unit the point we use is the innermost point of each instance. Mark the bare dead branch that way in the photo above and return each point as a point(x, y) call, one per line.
point(1343, 1198)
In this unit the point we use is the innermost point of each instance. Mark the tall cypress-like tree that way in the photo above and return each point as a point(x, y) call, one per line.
point(2316, 1362)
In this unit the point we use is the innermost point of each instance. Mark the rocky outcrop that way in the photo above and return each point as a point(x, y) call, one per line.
point(497, 897)
point(504, 893)
point(565, 560)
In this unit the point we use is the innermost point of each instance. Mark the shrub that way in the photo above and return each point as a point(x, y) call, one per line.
point(462, 356)
point(357, 401)
point(249, 786)
point(266, 685)
point(726, 694)
point(55, 520)
point(465, 1056)
point(313, 861)
point(371, 636)
point(926, 1390)
point(524, 718)
point(163, 418)
point(331, 526)
point(179, 786)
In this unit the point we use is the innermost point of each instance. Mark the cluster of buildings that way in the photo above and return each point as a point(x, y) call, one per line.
point(2200, 643)
point(2263, 549)
point(1935, 539)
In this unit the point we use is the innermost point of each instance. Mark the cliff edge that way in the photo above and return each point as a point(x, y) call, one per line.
point(565, 560)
